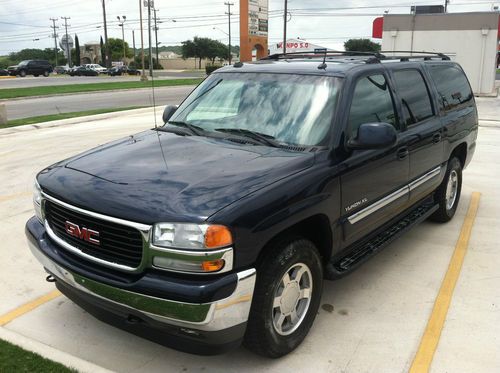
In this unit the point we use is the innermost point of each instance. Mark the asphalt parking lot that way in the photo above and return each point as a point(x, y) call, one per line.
point(371, 321)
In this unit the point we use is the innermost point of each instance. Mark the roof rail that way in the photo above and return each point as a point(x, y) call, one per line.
point(370, 57)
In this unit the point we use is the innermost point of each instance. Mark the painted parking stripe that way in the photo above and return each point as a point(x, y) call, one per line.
point(27, 307)
point(430, 339)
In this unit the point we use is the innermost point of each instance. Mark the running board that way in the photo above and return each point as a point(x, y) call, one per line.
point(361, 252)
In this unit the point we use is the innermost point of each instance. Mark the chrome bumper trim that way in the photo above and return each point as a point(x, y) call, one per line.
point(218, 315)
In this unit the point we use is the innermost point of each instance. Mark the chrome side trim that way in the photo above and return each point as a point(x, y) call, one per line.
point(213, 316)
point(426, 177)
point(138, 226)
point(78, 252)
point(354, 218)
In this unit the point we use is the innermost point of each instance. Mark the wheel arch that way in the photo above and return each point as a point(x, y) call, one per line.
point(460, 151)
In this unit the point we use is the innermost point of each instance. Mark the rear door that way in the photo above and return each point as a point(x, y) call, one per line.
point(374, 182)
point(424, 129)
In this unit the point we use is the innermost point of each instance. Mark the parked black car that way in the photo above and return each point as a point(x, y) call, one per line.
point(220, 226)
point(121, 70)
point(61, 70)
point(31, 67)
point(82, 71)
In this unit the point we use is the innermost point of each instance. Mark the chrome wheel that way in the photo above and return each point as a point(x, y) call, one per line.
point(451, 189)
point(292, 299)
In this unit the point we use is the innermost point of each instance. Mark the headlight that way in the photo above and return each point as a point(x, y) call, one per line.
point(191, 236)
point(37, 201)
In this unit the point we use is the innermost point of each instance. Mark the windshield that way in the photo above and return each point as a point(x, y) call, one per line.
point(22, 63)
point(292, 109)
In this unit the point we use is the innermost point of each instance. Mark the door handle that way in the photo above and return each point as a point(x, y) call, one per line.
point(436, 138)
point(403, 152)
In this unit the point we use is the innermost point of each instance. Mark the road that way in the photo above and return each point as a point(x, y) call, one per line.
point(370, 321)
point(31, 107)
point(31, 81)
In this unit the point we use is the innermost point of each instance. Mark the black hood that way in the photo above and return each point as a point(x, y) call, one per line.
point(160, 176)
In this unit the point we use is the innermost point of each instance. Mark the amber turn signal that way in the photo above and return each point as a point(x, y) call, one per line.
point(217, 236)
point(212, 265)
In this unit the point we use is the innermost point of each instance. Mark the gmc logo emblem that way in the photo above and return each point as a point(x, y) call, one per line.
point(83, 233)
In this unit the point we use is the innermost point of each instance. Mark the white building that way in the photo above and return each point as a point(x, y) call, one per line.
point(471, 39)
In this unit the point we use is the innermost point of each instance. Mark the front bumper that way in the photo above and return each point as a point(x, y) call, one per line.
point(201, 326)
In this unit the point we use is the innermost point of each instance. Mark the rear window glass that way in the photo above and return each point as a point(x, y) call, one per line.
point(452, 86)
point(415, 99)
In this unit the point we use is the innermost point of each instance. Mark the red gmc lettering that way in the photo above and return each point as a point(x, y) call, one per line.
point(83, 233)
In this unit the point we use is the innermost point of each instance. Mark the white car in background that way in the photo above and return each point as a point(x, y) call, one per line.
point(96, 67)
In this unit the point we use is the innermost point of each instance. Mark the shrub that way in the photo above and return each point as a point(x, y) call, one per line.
point(211, 68)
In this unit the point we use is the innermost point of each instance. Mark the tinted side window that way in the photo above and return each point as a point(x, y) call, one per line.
point(415, 99)
point(371, 102)
point(452, 86)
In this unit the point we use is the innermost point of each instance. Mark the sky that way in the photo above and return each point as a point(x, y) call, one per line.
point(323, 22)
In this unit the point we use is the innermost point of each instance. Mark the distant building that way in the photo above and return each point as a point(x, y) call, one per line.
point(90, 53)
point(471, 39)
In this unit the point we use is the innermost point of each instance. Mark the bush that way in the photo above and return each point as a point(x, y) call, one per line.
point(211, 68)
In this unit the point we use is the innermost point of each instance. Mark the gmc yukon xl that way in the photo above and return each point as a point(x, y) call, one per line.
point(220, 226)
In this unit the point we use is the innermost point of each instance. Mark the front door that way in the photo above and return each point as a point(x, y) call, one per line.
point(374, 182)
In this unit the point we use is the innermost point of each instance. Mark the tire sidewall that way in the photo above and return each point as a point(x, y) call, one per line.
point(292, 252)
point(454, 164)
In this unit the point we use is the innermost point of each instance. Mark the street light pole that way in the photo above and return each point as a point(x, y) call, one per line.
point(122, 24)
point(229, 5)
point(143, 75)
point(149, 35)
point(133, 43)
point(285, 16)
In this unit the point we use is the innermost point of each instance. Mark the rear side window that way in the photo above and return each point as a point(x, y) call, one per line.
point(452, 86)
point(371, 102)
point(415, 99)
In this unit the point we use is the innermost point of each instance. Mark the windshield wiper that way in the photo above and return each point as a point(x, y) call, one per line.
point(257, 136)
point(195, 130)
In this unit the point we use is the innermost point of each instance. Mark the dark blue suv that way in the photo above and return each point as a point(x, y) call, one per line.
point(219, 226)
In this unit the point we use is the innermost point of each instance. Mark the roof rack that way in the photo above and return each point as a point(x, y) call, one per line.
point(370, 57)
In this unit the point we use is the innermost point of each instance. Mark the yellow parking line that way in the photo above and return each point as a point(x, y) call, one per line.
point(15, 195)
point(27, 307)
point(430, 339)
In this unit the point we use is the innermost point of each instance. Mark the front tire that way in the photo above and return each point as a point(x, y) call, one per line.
point(46, 74)
point(286, 298)
point(22, 74)
point(448, 193)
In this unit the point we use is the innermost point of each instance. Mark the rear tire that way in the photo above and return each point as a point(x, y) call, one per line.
point(448, 193)
point(286, 298)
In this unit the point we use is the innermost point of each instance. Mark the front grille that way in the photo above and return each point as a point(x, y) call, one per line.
point(119, 244)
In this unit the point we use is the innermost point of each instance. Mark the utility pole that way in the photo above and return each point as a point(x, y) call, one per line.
point(149, 36)
point(68, 51)
point(106, 45)
point(285, 16)
point(229, 14)
point(122, 24)
point(446, 5)
point(143, 75)
point(156, 35)
point(133, 43)
point(54, 35)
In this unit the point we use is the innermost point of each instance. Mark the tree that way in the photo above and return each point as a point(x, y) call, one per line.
point(37, 54)
point(116, 49)
point(103, 53)
point(204, 48)
point(77, 51)
point(361, 45)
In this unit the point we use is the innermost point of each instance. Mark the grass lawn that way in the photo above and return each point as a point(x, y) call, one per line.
point(91, 87)
point(15, 359)
point(51, 117)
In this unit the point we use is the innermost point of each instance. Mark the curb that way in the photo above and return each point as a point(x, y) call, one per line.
point(490, 123)
point(50, 352)
point(5, 100)
point(7, 77)
point(65, 122)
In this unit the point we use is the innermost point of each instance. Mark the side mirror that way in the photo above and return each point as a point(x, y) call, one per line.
point(168, 112)
point(374, 136)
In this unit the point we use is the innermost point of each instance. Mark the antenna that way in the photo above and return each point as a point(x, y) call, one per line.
point(323, 65)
